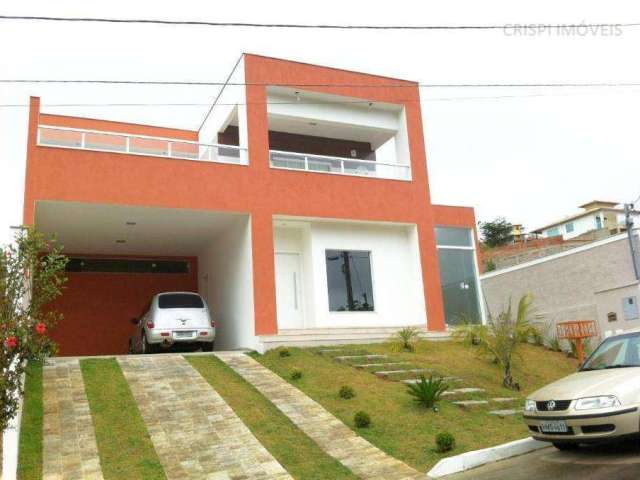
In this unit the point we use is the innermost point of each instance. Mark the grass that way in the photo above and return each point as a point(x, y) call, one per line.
point(30, 449)
point(406, 430)
point(296, 452)
point(125, 449)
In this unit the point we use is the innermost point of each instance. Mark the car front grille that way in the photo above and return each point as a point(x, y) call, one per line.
point(560, 405)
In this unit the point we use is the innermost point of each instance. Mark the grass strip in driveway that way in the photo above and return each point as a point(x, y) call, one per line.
point(124, 445)
point(296, 452)
point(30, 452)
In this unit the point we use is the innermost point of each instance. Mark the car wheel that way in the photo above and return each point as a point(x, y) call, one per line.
point(146, 347)
point(207, 347)
point(566, 445)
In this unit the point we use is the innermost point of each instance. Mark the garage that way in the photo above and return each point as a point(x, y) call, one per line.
point(120, 256)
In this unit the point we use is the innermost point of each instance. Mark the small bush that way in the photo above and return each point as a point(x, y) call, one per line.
point(296, 374)
point(362, 419)
point(346, 392)
point(427, 392)
point(445, 442)
point(284, 352)
point(406, 338)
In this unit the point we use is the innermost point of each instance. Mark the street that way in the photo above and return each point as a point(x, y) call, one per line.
point(620, 461)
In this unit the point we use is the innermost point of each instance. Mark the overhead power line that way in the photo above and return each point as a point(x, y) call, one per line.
point(312, 26)
point(318, 85)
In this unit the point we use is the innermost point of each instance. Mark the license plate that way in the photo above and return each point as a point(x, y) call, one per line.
point(554, 426)
point(188, 334)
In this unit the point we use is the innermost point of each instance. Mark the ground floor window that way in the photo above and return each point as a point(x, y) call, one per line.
point(456, 256)
point(349, 280)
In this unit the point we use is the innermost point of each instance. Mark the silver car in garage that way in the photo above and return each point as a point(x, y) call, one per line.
point(173, 318)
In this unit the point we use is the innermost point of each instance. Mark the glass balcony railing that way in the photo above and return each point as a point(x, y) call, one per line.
point(62, 137)
point(338, 165)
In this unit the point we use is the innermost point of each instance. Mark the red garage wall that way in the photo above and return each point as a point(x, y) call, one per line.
point(98, 307)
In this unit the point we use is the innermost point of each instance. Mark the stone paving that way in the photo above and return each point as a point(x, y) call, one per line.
point(333, 436)
point(195, 433)
point(69, 447)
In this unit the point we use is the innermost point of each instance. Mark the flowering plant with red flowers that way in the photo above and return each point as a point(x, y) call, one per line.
point(32, 274)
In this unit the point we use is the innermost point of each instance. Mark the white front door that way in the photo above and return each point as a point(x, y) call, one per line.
point(289, 291)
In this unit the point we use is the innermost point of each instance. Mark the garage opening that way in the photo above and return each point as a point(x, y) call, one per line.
point(121, 256)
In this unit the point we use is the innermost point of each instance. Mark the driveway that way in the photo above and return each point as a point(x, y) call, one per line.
point(619, 461)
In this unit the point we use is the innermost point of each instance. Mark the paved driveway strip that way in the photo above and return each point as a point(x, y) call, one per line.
point(333, 436)
point(195, 433)
point(69, 449)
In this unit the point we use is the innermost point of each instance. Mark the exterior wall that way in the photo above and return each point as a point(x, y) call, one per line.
point(98, 307)
point(564, 286)
point(395, 271)
point(113, 178)
point(226, 282)
point(610, 301)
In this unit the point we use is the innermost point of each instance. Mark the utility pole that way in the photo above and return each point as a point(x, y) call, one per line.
point(628, 221)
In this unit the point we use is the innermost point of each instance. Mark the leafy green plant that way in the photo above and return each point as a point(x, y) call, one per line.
point(502, 335)
point(296, 374)
point(406, 338)
point(497, 232)
point(489, 265)
point(284, 352)
point(427, 392)
point(31, 276)
point(346, 392)
point(445, 442)
point(553, 344)
point(362, 419)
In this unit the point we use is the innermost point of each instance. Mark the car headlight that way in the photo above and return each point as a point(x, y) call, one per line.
point(590, 403)
point(530, 406)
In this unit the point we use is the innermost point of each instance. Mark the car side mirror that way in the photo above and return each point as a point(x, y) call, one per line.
point(135, 321)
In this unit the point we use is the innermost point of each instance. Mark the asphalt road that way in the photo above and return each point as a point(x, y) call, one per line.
point(619, 461)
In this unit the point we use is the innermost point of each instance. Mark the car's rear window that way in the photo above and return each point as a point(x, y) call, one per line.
point(180, 300)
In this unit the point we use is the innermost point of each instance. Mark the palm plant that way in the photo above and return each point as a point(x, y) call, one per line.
point(427, 392)
point(502, 335)
point(406, 338)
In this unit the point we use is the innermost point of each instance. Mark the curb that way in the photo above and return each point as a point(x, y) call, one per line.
point(476, 458)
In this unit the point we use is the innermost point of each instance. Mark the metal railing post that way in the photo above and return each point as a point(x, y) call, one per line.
point(127, 144)
point(306, 163)
point(82, 140)
point(169, 148)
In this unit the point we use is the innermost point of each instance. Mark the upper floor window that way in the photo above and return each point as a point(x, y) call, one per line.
point(569, 227)
point(553, 232)
point(349, 281)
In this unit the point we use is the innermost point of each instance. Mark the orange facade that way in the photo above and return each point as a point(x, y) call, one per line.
point(256, 189)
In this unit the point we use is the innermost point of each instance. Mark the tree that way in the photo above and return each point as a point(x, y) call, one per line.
point(31, 276)
point(496, 233)
point(501, 336)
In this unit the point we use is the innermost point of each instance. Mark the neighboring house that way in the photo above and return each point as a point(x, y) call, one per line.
point(591, 282)
point(518, 232)
point(596, 215)
point(300, 210)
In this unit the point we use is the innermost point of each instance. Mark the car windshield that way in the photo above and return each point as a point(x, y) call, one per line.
point(616, 352)
point(180, 300)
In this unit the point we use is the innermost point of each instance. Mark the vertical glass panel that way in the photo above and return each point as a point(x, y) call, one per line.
point(349, 281)
point(454, 237)
point(459, 287)
point(104, 141)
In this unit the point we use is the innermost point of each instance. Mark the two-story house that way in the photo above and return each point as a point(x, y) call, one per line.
point(596, 216)
point(300, 210)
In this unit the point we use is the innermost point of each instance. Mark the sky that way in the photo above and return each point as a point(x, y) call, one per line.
point(528, 154)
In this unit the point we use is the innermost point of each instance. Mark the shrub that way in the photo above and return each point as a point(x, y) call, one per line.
point(346, 392)
point(427, 392)
point(445, 442)
point(296, 374)
point(489, 266)
point(501, 337)
point(362, 419)
point(554, 344)
point(284, 352)
point(406, 338)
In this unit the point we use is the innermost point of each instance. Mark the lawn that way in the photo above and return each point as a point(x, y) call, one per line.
point(124, 445)
point(30, 449)
point(296, 452)
point(399, 426)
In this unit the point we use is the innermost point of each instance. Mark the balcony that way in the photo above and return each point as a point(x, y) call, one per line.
point(338, 165)
point(130, 144)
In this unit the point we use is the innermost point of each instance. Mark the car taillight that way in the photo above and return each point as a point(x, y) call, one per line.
point(213, 324)
point(150, 324)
